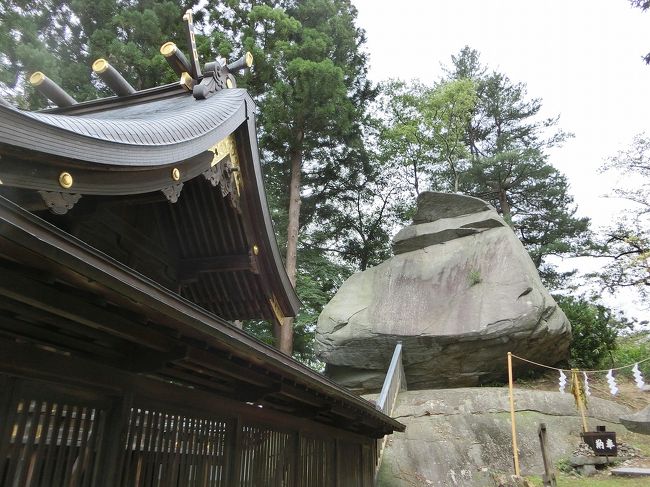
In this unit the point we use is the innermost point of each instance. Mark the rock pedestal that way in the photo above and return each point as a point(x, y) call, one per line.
point(460, 293)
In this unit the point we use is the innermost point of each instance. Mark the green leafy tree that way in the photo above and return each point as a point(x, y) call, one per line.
point(595, 329)
point(425, 130)
point(63, 37)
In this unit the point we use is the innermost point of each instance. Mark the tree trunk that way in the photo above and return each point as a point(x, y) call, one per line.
point(505, 206)
point(284, 333)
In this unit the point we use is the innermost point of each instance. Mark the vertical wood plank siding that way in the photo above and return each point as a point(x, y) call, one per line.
point(53, 437)
point(50, 442)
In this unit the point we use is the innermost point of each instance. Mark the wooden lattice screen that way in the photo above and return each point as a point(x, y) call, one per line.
point(50, 442)
point(174, 450)
point(317, 462)
point(54, 436)
point(266, 457)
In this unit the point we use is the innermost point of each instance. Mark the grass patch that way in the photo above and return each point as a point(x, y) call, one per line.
point(597, 481)
point(475, 277)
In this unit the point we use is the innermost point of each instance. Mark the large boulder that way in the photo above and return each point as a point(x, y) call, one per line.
point(459, 294)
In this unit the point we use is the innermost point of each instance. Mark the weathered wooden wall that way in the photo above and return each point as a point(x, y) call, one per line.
point(57, 435)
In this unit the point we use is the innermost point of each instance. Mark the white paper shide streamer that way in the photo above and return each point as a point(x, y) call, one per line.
point(638, 378)
point(587, 390)
point(613, 389)
point(562, 381)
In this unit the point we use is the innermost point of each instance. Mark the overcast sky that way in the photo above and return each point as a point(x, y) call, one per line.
point(581, 57)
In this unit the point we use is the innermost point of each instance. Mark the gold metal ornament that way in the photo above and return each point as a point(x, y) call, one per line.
point(65, 180)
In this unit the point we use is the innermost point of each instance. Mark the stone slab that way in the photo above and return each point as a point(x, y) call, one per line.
point(631, 472)
point(433, 206)
point(577, 461)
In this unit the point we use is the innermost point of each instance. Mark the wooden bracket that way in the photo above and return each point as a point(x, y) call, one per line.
point(172, 192)
point(59, 203)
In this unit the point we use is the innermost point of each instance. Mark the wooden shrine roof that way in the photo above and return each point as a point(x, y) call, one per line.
point(170, 184)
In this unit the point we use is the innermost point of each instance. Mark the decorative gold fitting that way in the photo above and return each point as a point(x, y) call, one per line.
point(186, 80)
point(249, 59)
point(65, 180)
point(256, 249)
point(168, 49)
point(229, 83)
point(176, 174)
point(100, 65)
point(37, 78)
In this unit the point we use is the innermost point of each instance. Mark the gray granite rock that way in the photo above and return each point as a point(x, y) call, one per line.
point(454, 436)
point(458, 301)
point(638, 422)
point(434, 206)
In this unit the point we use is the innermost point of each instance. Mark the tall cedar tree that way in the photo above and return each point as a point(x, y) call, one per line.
point(310, 81)
point(62, 38)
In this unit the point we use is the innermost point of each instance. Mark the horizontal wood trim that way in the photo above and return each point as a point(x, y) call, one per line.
point(31, 362)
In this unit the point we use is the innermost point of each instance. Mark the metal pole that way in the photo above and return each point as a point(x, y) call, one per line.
point(515, 453)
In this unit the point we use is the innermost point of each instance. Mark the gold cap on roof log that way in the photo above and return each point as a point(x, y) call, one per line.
point(37, 78)
point(113, 79)
point(246, 61)
point(51, 90)
point(100, 65)
point(175, 58)
point(168, 49)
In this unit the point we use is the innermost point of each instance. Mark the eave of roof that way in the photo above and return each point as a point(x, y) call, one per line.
point(60, 248)
point(129, 145)
point(160, 132)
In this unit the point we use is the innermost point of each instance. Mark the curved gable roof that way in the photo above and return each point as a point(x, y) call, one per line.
point(191, 166)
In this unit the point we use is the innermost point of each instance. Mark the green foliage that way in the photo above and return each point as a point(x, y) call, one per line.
point(509, 166)
point(475, 277)
point(310, 84)
point(564, 465)
point(630, 349)
point(63, 38)
point(595, 329)
point(424, 129)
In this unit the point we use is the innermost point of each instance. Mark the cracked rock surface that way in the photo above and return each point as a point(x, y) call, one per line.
point(459, 294)
point(459, 437)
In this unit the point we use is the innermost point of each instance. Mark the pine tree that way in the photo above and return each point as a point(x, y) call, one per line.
point(508, 143)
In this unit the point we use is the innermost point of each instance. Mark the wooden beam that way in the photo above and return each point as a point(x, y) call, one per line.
point(190, 269)
point(148, 361)
point(44, 334)
point(212, 361)
point(48, 298)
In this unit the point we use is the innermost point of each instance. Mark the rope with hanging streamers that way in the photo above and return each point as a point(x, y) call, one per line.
point(582, 390)
point(587, 371)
